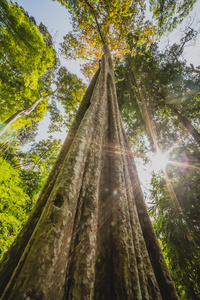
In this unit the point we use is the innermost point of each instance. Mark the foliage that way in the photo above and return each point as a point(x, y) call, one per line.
point(68, 97)
point(25, 56)
point(13, 204)
point(23, 175)
point(28, 133)
point(37, 163)
point(42, 66)
point(170, 13)
point(71, 92)
point(148, 84)
point(99, 22)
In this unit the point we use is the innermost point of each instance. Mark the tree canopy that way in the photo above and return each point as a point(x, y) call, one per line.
point(99, 22)
point(25, 57)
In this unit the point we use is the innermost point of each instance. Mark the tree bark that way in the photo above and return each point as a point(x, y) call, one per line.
point(24, 112)
point(89, 236)
point(186, 123)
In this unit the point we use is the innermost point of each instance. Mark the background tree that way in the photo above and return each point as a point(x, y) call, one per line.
point(25, 57)
point(24, 174)
point(13, 204)
point(24, 112)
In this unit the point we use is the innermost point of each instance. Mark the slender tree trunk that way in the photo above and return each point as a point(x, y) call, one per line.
point(24, 112)
point(187, 124)
point(89, 236)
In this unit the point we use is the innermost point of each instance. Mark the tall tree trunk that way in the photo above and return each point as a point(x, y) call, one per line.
point(187, 124)
point(24, 112)
point(90, 236)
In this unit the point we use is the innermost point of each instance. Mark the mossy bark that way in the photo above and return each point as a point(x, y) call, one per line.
point(87, 237)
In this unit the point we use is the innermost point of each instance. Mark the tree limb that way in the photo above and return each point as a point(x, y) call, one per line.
point(98, 26)
point(25, 112)
point(194, 70)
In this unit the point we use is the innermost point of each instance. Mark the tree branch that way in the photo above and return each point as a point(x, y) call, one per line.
point(194, 70)
point(25, 112)
point(98, 26)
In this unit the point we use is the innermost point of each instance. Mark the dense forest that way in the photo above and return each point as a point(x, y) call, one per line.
point(158, 94)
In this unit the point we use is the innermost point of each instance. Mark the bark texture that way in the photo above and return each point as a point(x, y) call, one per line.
point(89, 235)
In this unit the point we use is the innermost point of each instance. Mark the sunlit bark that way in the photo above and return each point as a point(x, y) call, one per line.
point(90, 236)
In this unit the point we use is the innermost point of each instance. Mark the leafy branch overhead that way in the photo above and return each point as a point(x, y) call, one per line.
point(98, 22)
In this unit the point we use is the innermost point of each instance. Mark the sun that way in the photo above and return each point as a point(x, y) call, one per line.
point(159, 161)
